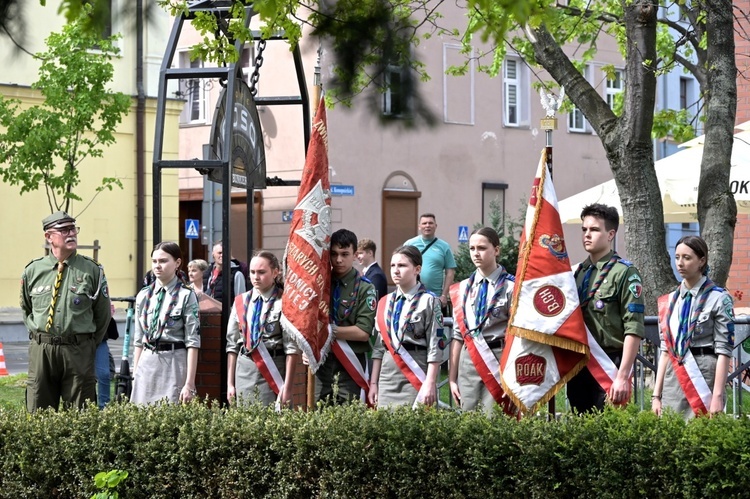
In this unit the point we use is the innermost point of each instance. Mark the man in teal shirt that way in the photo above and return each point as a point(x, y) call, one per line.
point(438, 264)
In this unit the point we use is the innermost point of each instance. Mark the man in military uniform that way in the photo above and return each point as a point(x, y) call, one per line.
point(66, 309)
point(353, 304)
point(611, 295)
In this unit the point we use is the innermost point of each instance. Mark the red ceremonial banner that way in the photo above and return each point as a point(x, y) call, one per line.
point(307, 281)
point(546, 342)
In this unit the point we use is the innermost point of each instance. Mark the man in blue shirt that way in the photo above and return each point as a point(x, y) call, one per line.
point(438, 264)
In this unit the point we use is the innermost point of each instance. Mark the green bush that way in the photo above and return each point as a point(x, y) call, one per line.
point(199, 451)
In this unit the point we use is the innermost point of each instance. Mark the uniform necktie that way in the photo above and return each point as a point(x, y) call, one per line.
point(55, 295)
point(157, 311)
point(480, 305)
point(397, 312)
point(683, 333)
point(255, 328)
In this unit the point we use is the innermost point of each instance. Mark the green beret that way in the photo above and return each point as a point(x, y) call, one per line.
point(57, 218)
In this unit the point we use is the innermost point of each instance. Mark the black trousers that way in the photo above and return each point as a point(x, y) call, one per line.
point(584, 392)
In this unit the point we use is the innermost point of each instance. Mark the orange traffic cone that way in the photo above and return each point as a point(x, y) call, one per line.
point(3, 369)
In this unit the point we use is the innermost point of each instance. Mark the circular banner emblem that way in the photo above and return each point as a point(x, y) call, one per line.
point(549, 300)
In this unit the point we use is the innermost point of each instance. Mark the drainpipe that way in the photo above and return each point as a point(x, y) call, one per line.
point(140, 166)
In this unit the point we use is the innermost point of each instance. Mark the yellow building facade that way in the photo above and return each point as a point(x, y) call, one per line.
point(110, 217)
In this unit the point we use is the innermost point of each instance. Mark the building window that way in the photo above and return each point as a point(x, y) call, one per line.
point(515, 93)
point(576, 121)
point(194, 93)
point(458, 91)
point(510, 85)
point(614, 87)
point(395, 102)
point(493, 203)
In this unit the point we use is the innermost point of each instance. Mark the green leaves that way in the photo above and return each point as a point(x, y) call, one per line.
point(45, 144)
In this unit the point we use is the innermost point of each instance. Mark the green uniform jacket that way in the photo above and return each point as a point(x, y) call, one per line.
point(616, 309)
point(83, 305)
point(362, 314)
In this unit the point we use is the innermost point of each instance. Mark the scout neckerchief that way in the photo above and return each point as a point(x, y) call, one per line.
point(336, 299)
point(582, 295)
point(679, 345)
point(409, 367)
point(392, 319)
point(252, 334)
point(686, 369)
point(484, 359)
point(482, 310)
point(153, 330)
point(341, 348)
point(55, 295)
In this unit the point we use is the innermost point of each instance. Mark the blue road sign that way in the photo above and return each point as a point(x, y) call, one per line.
point(191, 228)
point(342, 190)
point(463, 233)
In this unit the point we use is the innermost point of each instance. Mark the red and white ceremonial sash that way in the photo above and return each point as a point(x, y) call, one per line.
point(689, 375)
point(409, 367)
point(259, 354)
point(346, 356)
point(267, 368)
point(481, 354)
point(601, 366)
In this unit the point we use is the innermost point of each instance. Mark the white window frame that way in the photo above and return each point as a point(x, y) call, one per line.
point(518, 84)
point(611, 90)
point(577, 122)
point(196, 98)
point(470, 73)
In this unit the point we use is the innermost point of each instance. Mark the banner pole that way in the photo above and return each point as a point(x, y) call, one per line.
point(317, 90)
point(549, 124)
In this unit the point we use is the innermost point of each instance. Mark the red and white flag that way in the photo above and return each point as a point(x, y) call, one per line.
point(307, 282)
point(546, 341)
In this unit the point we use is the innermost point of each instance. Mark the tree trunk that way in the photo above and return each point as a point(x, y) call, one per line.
point(717, 211)
point(627, 140)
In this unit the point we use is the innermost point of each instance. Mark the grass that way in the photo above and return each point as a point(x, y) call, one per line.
point(13, 391)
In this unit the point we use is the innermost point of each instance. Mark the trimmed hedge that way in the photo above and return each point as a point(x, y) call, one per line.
point(201, 451)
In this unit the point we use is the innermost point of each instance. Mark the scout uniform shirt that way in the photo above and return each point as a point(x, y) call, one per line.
point(82, 304)
point(178, 316)
point(272, 334)
point(424, 328)
point(493, 329)
point(616, 307)
point(350, 310)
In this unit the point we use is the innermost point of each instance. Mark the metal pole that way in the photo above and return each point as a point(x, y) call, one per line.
point(548, 124)
point(317, 90)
